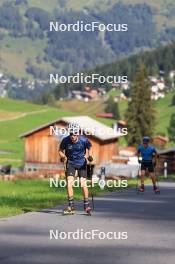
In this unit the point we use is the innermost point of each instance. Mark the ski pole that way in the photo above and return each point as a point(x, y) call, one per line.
point(138, 175)
point(64, 165)
point(155, 172)
point(92, 196)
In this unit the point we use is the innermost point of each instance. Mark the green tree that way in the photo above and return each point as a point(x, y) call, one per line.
point(46, 98)
point(171, 129)
point(140, 113)
point(112, 107)
point(155, 69)
point(173, 100)
point(51, 100)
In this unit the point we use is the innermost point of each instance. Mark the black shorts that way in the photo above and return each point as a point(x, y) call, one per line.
point(71, 170)
point(147, 165)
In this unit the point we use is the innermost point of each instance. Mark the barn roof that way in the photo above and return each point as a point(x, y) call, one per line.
point(161, 138)
point(166, 151)
point(94, 127)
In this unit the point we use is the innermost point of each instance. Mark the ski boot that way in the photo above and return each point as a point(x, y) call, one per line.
point(70, 210)
point(141, 189)
point(156, 190)
point(88, 209)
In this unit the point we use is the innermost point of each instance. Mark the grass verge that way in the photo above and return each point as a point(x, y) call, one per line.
point(31, 195)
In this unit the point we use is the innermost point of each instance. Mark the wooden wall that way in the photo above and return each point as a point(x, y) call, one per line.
point(40, 147)
point(169, 158)
point(108, 150)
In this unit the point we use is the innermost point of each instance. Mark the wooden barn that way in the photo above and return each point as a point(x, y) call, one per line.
point(42, 143)
point(167, 156)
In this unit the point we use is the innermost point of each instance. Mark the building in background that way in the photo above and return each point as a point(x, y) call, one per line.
point(41, 148)
point(166, 160)
point(160, 141)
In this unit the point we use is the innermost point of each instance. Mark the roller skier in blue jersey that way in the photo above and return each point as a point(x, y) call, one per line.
point(147, 156)
point(72, 152)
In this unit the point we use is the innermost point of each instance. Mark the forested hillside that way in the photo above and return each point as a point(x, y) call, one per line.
point(156, 61)
point(29, 50)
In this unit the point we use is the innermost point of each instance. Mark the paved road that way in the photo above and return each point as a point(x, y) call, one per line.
point(148, 219)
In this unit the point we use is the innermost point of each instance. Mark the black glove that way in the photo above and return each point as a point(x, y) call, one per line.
point(63, 159)
point(90, 158)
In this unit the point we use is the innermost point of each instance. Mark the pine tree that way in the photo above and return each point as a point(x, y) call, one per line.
point(171, 129)
point(155, 69)
point(140, 112)
point(112, 107)
point(51, 100)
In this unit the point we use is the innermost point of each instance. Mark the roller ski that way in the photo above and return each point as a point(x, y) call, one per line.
point(70, 210)
point(156, 190)
point(88, 209)
point(141, 189)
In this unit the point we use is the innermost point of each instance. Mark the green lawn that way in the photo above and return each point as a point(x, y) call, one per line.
point(90, 108)
point(164, 110)
point(29, 195)
point(19, 106)
point(170, 177)
point(32, 195)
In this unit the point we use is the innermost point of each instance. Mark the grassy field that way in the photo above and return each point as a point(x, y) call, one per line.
point(164, 110)
point(169, 178)
point(11, 105)
point(29, 195)
point(90, 109)
point(84, 108)
point(32, 195)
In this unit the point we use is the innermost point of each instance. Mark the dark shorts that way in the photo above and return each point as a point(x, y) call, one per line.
point(71, 170)
point(147, 165)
